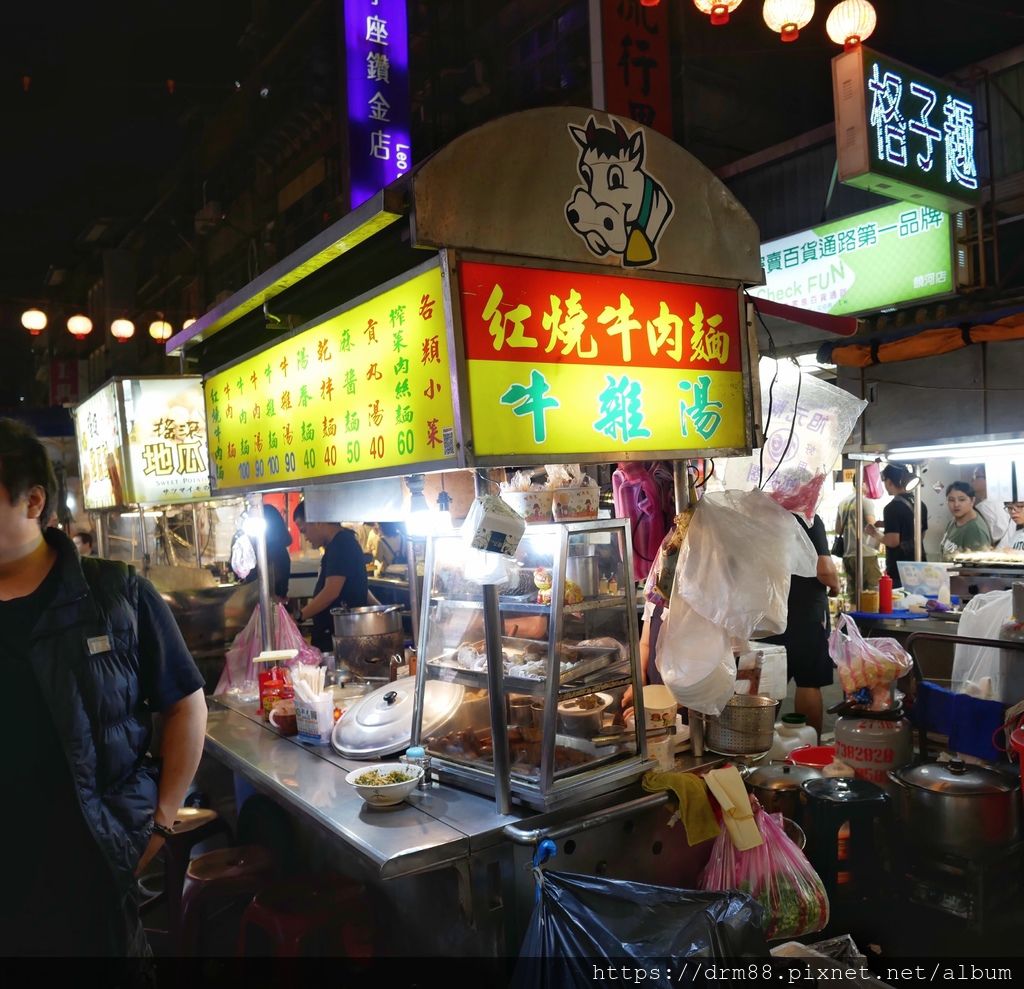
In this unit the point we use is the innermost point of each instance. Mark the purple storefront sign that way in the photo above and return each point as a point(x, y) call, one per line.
point(377, 71)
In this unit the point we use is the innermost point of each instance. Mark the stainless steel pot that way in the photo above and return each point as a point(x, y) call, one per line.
point(582, 571)
point(374, 620)
point(365, 639)
point(958, 809)
point(777, 787)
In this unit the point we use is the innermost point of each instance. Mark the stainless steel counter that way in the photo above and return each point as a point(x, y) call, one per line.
point(436, 827)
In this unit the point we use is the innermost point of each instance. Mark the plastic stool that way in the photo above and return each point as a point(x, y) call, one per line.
point(291, 913)
point(220, 881)
point(862, 806)
point(192, 826)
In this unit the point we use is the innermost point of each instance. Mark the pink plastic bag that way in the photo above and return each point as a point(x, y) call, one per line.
point(238, 662)
point(776, 874)
point(872, 663)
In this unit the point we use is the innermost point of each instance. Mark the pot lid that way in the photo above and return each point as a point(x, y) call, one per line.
point(955, 778)
point(782, 776)
point(842, 791)
point(380, 723)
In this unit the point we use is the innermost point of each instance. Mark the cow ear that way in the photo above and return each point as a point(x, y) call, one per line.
point(636, 146)
point(579, 135)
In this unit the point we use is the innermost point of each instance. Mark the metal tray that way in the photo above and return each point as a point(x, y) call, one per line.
point(591, 660)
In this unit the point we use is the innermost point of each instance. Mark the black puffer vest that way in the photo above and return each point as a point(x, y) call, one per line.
point(85, 654)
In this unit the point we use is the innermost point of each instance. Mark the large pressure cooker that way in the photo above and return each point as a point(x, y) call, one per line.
point(957, 809)
point(365, 639)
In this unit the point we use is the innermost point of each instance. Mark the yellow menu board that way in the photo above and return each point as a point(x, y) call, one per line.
point(366, 391)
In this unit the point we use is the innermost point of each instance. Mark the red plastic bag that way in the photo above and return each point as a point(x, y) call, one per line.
point(238, 666)
point(776, 874)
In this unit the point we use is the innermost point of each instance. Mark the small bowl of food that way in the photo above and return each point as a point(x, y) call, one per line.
point(386, 784)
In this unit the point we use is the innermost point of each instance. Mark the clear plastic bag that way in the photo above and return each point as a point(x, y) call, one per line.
point(741, 550)
point(994, 673)
point(872, 663)
point(238, 662)
point(807, 426)
point(776, 874)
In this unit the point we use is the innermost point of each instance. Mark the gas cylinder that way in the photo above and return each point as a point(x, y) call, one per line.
point(873, 742)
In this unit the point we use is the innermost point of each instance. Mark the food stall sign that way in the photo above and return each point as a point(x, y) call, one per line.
point(100, 445)
point(578, 366)
point(902, 133)
point(165, 424)
point(377, 83)
point(885, 257)
point(363, 391)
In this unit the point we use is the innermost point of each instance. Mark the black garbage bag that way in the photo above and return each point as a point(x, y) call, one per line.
point(581, 922)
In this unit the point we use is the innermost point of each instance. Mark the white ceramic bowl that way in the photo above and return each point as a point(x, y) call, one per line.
point(393, 793)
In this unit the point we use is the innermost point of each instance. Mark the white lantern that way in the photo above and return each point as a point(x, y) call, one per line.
point(718, 10)
point(851, 22)
point(188, 322)
point(34, 320)
point(160, 330)
point(787, 17)
point(122, 330)
point(79, 326)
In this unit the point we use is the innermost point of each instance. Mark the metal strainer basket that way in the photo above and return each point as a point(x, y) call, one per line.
point(746, 726)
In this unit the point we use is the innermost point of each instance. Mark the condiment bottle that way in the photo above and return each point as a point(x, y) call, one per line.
point(613, 585)
point(885, 594)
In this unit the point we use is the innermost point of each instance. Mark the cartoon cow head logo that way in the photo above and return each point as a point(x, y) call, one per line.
point(619, 208)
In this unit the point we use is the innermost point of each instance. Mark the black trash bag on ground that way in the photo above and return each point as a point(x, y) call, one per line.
point(581, 922)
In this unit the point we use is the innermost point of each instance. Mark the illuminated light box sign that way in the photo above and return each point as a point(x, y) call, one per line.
point(365, 391)
point(165, 423)
point(377, 77)
point(100, 459)
point(161, 424)
point(863, 263)
point(902, 133)
point(561, 363)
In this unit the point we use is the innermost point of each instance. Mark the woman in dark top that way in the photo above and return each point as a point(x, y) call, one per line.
point(807, 627)
point(898, 520)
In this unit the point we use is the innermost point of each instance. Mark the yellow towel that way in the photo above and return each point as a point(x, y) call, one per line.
point(694, 807)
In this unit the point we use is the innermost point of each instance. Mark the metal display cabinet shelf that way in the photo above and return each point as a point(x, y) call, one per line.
point(560, 749)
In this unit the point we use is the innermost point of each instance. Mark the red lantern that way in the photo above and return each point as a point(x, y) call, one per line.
point(122, 330)
point(79, 326)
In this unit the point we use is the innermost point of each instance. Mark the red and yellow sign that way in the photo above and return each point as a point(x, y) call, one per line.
point(366, 391)
point(563, 363)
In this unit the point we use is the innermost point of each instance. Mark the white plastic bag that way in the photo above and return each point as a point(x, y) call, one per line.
point(873, 663)
point(982, 618)
point(694, 658)
point(740, 551)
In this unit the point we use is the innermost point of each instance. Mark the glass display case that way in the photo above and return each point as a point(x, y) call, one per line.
point(569, 651)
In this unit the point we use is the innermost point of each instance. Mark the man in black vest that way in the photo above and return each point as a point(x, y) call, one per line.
point(88, 651)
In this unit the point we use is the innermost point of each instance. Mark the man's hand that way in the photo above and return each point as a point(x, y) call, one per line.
point(156, 842)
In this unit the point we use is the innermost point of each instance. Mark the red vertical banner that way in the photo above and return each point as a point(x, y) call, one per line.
point(64, 382)
point(637, 69)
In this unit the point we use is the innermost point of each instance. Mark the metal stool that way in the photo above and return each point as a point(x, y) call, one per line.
point(831, 804)
point(192, 826)
point(328, 913)
point(220, 885)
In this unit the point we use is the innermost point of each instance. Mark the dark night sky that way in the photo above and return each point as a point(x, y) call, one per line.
point(97, 127)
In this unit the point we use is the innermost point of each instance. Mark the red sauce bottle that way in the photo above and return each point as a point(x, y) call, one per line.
point(885, 594)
